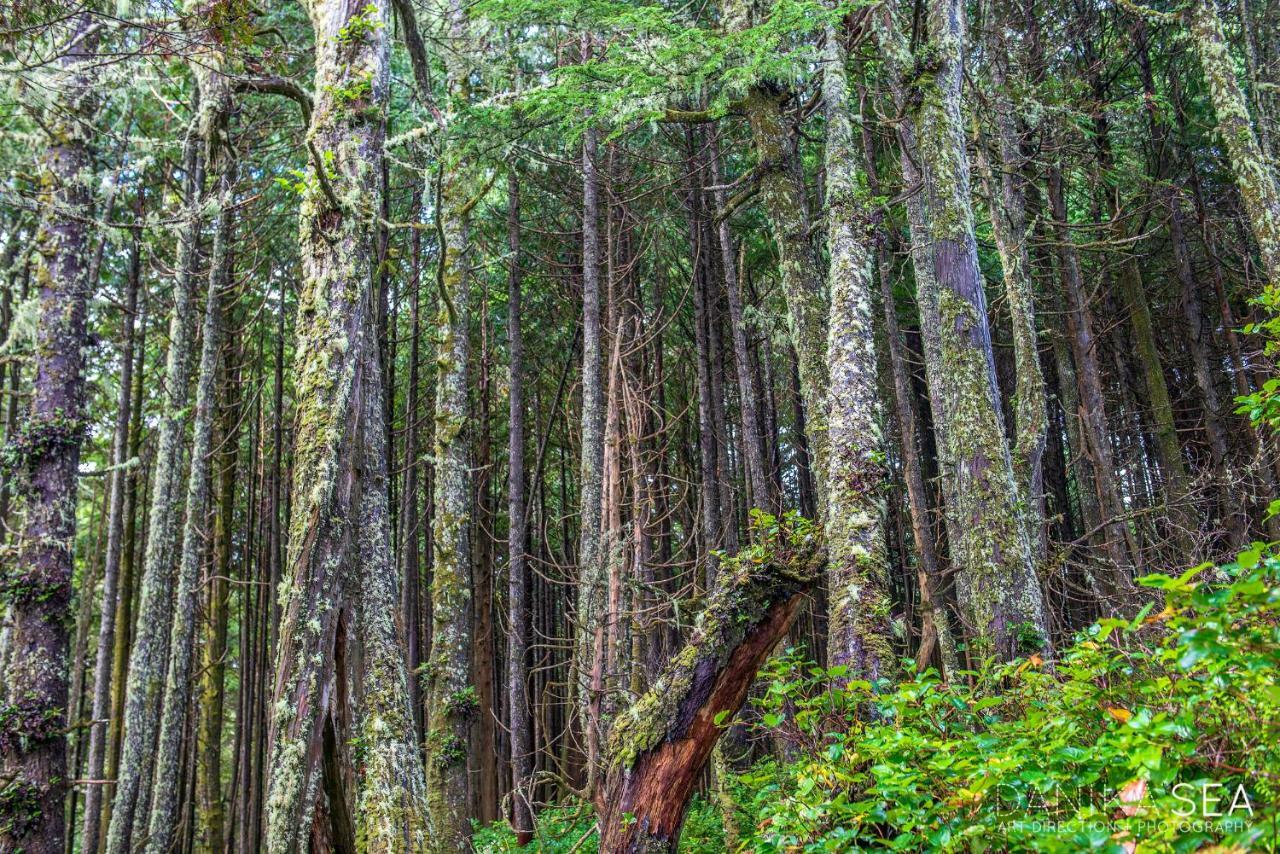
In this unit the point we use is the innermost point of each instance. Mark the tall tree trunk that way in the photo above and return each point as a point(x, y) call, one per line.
point(451, 693)
point(124, 616)
point(998, 592)
point(162, 826)
point(340, 680)
point(708, 482)
point(1009, 222)
point(517, 570)
point(144, 690)
point(211, 831)
point(1254, 176)
point(112, 592)
point(591, 581)
point(762, 494)
point(782, 192)
point(1081, 337)
point(859, 634)
point(38, 583)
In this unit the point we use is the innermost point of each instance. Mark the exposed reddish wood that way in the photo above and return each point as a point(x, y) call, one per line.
point(659, 748)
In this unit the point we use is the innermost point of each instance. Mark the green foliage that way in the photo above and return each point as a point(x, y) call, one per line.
point(561, 828)
point(1157, 730)
point(659, 58)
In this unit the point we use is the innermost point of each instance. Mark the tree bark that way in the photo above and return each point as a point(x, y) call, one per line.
point(111, 589)
point(517, 525)
point(340, 685)
point(1254, 176)
point(859, 635)
point(144, 690)
point(998, 592)
point(591, 602)
point(659, 747)
point(174, 712)
point(37, 585)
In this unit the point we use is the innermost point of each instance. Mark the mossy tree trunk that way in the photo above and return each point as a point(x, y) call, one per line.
point(518, 622)
point(1255, 177)
point(1008, 205)
point(658, 747)
point(341, 697)
point(859, 633)
point(37, 585)
point(589, 645)
point(783, 196)
point(451, 693)
point(111, 587)
point(998, 592)
point(144, 689)
point(162, 826)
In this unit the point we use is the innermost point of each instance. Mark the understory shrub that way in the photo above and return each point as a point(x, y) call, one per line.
point(1160, 732)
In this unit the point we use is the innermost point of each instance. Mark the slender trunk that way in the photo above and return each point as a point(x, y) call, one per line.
point(1081, 337)
point(162, 824)
point(124, 615)
point(112, 595)
point(410, 591)
point(709, 490)
point(212, 820)
point(1009, 223)
point(144, 690)
point(591, 580)
point(762, 495)
point(783, 195)
point(517, 521)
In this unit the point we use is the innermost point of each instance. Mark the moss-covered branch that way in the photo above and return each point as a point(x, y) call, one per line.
point(658, 748)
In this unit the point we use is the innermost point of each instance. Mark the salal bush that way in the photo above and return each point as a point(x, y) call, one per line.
point(1162, 731)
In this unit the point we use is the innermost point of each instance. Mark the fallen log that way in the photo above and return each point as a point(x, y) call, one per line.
point(659, 746)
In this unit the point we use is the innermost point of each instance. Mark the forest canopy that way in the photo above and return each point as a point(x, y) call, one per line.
point(624, 425)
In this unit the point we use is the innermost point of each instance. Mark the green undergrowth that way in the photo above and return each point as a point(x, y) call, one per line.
point(1161, 731)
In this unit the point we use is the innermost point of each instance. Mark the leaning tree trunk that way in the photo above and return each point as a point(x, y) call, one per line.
point(859, 632)
point(658, 747)
point(37, 585)
point(341, 692)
